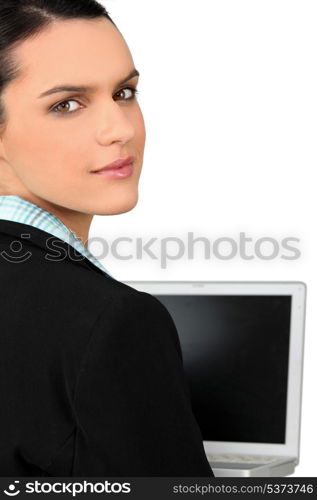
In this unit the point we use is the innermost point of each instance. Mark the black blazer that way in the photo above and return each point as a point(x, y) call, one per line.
point(91, 373)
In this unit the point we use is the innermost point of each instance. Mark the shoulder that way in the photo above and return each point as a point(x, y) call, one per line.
point(135, 308)
point(137, 322)
point(134, 348)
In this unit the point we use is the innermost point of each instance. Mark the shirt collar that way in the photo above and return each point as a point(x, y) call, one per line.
point(17, 209)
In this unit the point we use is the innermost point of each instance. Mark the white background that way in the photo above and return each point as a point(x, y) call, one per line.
point(228, 91)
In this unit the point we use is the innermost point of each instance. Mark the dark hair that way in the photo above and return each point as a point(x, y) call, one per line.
point(20, 19)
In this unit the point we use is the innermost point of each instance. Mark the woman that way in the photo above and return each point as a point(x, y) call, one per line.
point(92, 380)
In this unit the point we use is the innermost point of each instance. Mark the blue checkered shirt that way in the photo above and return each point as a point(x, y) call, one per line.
point(17, 209)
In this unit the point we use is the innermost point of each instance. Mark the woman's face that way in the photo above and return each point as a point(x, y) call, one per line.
point(49, 154)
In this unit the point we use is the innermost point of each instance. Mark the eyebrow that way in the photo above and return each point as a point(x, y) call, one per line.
point(83, 88)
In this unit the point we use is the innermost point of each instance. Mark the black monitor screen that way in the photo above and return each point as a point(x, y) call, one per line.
point(235, 351)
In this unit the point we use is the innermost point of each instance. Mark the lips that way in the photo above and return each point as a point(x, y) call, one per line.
point(117, 164)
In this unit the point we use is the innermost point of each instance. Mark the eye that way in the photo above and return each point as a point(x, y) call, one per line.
point(62, 104)
point(132, 89)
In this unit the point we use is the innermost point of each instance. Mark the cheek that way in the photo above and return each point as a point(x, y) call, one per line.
point(48, 154)
point(140, 131)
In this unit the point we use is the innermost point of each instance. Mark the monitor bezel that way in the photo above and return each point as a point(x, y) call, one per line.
point(297, 290)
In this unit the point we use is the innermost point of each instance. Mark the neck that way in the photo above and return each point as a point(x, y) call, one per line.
point(78, 222)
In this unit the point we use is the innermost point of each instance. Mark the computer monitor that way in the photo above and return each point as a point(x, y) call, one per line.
point(242, 346)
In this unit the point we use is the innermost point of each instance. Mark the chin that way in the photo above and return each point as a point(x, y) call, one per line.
point(118, 206)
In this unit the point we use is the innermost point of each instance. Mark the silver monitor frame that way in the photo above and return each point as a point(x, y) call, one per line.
point(298, 291)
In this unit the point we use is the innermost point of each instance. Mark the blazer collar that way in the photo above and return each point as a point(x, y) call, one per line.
point(14, 208)
point(50, 243)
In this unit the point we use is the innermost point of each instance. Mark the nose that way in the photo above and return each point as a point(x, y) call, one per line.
point(116, 125)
